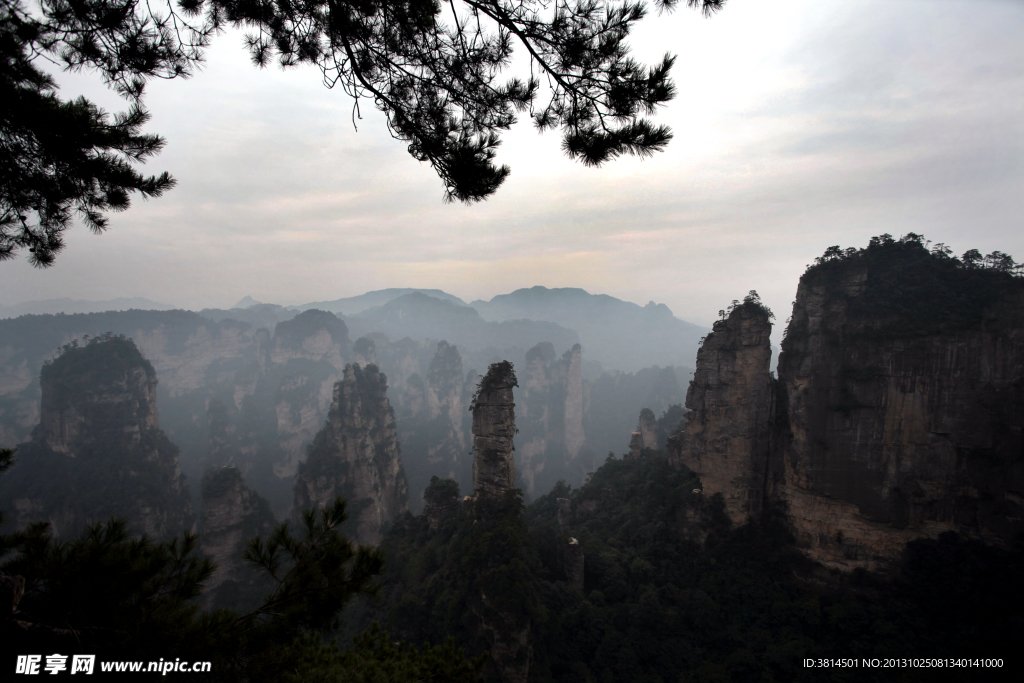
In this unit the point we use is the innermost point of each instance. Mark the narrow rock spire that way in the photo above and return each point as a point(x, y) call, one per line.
point(494, 425)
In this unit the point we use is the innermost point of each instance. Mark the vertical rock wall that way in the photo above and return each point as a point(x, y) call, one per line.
point(356, 456)
point(726, 437)
point(893, 435)
point(572, 361)
point(445, 407)
point(647, 426)
point(232, 515)
point(898, 413)
point(98, 451)
point(431, 423)
point(494, 425)
point(308, 354)
point(550, 416)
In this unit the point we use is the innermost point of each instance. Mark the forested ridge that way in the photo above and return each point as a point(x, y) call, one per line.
point(673, 592)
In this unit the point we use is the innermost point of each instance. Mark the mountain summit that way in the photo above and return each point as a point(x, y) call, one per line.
point(357, 304)
point(618, 334)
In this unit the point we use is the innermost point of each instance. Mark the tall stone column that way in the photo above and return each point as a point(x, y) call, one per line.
point(726, 438)
point(494, 426)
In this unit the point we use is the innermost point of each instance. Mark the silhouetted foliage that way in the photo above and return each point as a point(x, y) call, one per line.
point(118, 597)
point(910, 289)
point(441, 491)
point(674, 592)
point(436, 76)
point(61, 158)
point(501, 373)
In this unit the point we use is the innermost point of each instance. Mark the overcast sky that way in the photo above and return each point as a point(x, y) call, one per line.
point(799, 124)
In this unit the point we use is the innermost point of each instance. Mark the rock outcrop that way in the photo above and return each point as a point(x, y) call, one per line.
point(726, 437)
point(494, 426)
point(98, 450)
point(275, 383)
point(431, 422)
point(221, 433)
point(550, 416)
point(902, 423)
point(647, 426)
point(898, 412)
point(364, 352)
point(636, 446)
point(356, 456)
point(232, 515)
point(648, 434)
point(308, 354)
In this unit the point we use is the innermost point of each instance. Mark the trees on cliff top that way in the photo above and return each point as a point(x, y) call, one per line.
point(435, 69)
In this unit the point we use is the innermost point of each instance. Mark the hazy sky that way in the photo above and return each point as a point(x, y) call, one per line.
point(799, 124)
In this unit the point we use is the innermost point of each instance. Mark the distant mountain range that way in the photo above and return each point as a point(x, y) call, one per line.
point(420, 316)
point(617, 334)
point(81, 306)
point(357, 304)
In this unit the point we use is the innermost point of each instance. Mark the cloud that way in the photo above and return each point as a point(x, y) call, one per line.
point(799, 125)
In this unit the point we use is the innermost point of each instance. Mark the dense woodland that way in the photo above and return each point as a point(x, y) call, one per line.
point(657, 604)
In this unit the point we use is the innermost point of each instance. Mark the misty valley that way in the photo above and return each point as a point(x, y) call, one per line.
point(547, 486)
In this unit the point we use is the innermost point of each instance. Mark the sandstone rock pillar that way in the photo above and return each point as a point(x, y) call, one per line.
point(356, 456)
point(726, 437)
point(494, 425)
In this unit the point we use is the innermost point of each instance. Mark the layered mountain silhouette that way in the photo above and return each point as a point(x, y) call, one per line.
point(357, 304)
point(419, 316)
point(618, 334)
point(69, 306)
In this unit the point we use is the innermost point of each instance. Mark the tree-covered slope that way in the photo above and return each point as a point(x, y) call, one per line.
point(672, 592)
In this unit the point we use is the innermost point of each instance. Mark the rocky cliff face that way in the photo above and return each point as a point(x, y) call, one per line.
point(232, 515)
point(648, 434)
point(356, 456)
point(647, 427)
point(726, 437)
point(309, 351)
point(550, 416)
point(901, 426)
point(275, 384)
point(898, 412)
point(274, 402)
point(494, 425)
point(98, 450)
point(364, 352)
point(431, 423)
point(113, 400)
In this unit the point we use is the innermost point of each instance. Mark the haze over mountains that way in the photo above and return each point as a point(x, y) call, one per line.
point(254, 381)
point(81, 306)
point(877, 473)
point(357, 304)
point(616, 334)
